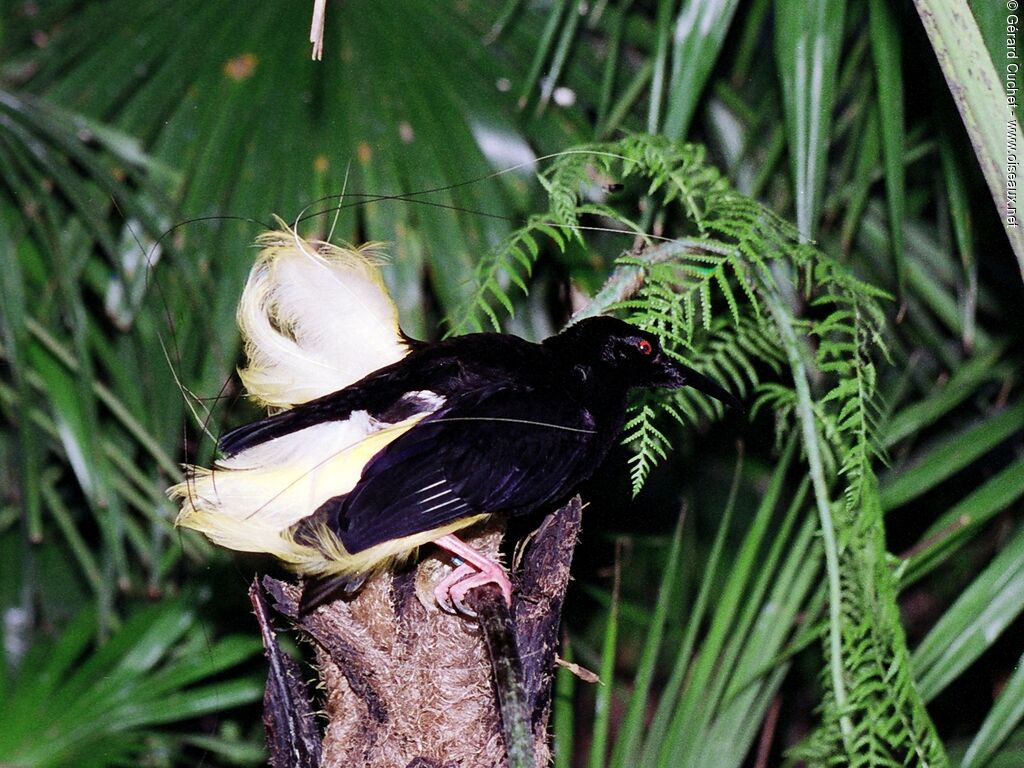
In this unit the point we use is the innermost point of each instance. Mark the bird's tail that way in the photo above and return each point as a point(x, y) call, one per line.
point(253, 501)
point(315, 318)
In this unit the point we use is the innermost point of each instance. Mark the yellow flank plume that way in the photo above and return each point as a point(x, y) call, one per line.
point(250, 501)
point(314, 317)
point(328, 557)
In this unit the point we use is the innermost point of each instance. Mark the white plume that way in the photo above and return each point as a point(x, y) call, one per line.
point(315, 318)
point(249, 501)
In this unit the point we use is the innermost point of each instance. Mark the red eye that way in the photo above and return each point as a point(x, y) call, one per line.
point(644, 346)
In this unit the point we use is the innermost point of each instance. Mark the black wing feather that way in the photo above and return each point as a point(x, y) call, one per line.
point(336, 406)
point(382, 393)
point(500, 450)
point(377, 395)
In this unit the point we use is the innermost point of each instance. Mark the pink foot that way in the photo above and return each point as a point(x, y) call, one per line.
point(475, 571)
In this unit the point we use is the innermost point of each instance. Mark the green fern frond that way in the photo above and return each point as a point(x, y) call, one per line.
point(725, 354)
point(891, 726)
point(511, 263)
point(724, 290)
point(649, 443)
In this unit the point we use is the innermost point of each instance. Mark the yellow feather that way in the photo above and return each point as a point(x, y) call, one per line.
point(328, 557)
point(250, 506)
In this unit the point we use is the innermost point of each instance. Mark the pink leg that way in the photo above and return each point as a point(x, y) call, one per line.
point(476, 571)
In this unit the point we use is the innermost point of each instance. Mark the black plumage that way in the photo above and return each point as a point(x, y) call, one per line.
point(512, 427)
point(382, 443)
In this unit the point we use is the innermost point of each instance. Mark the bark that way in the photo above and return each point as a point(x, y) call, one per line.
point(293, 738)
point(406, 685)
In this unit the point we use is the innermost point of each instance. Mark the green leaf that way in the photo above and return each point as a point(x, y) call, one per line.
point(631, 729)
point(1001, 720)
point(958, 523)
point(698, 34)
point(737, 669)
point(950, 455)
point(808, 37)
point(887, 53)
point(960, 386)
point(973, 623)
point(14, 344)
point(563, 718)
point(72, 705)
point(978, 92)
point(603, 698)
point(954, 176)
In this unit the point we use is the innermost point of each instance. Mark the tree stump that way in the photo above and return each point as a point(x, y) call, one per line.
point(405, 685)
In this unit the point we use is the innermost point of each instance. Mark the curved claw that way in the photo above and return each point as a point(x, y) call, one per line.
point(443, 590)
point(464, 609)
point(458, 591)
point(474, 571)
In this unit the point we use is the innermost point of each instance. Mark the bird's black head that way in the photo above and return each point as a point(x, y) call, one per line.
point(612, 349)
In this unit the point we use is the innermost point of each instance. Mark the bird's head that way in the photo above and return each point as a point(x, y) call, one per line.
point(608, 348)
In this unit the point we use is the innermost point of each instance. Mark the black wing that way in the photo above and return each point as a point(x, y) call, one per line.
point(336, 406)
point(385, 394)
point(501, 450)
point(455, 366)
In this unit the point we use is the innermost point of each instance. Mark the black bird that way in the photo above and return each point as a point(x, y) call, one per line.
point(449, 433)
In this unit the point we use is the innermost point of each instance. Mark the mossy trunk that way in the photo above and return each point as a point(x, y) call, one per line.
point(404, 684)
